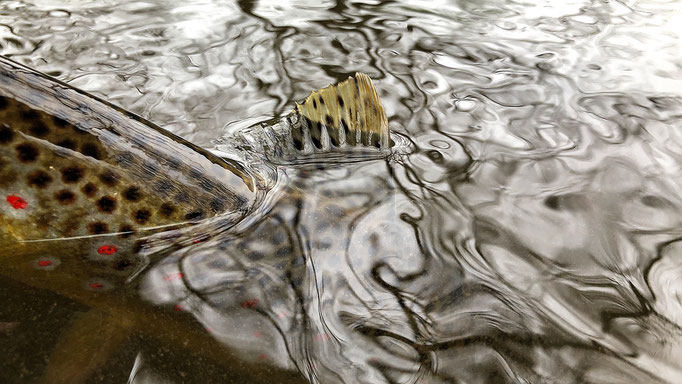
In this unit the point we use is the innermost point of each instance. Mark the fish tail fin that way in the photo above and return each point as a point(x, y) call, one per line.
point(341, 122)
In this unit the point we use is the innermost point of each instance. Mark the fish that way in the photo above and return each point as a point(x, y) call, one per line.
point(91, 195)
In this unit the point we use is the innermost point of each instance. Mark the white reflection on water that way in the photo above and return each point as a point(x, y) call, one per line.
point(531, 238)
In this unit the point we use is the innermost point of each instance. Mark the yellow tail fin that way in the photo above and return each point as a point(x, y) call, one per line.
point(350, 110)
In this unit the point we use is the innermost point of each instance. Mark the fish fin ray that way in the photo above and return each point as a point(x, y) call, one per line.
point(343, 122)
point(350, 109)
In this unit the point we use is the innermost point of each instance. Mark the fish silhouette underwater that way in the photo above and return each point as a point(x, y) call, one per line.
point(92, 194)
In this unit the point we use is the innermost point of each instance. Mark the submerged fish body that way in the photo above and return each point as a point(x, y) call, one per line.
point(89, 191)
point(73, 166)
point(263, 281)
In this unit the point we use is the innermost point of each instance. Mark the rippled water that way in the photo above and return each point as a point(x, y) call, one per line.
point(530, 236)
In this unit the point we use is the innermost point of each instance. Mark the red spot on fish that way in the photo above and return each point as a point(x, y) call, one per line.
point(174, 276)
point(45, 263)
point(96, 285)
point(16, 202)
point(250, 303)
point(263, 356)
point(200, 238)
point(179, 308)
point(258, 334)
point(107, 250)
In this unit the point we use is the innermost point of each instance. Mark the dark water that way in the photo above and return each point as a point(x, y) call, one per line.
point(531, 235)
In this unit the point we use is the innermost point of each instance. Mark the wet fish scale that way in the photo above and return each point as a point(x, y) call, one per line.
point(79, 182)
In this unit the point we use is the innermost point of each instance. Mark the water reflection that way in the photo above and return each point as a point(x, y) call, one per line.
point(532, 236)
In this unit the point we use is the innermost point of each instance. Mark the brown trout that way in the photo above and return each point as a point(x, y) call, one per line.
point(84, 184)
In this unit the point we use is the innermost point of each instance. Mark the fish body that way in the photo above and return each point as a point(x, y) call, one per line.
point(89, 191)
point(73, 165)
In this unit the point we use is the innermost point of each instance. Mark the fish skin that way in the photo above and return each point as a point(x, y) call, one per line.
point(54, 138)
point(84, 167)
point(82, 181)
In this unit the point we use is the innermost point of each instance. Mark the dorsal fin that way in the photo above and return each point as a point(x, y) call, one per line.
point(344, 122)
point(349, 109)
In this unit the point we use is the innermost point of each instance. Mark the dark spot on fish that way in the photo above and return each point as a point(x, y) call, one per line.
point(341, 102)
point(67, 143)
point(97, 228)
point(217, 205)
point(59, 122)
point(109, 178)
point(364, 136)
point(3, 102)
point(91, 149)
point(126, 230)
point(26, 152)
point(38, 179)
point(72, 174)
point(132, 194)
point(374, 140)
point(333, 132)
point(255, 255)
point(106, 204)
point(321, 100)
point(194, 215)
point(314, 104)
point(316, 135)
point(329, 120)
point(166, 209)
point(278, 238)
point(297, 138)
point(350, 136)
point(6, 134)
point(173, 163)
point(122, 264)
point(65, 197)
point(30, 115)
point(163, 187)
point(141, 216)
point(38, 129)
point(89, 189)
point(284, 251)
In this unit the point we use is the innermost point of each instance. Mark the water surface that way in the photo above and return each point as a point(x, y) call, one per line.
point(530, 236)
